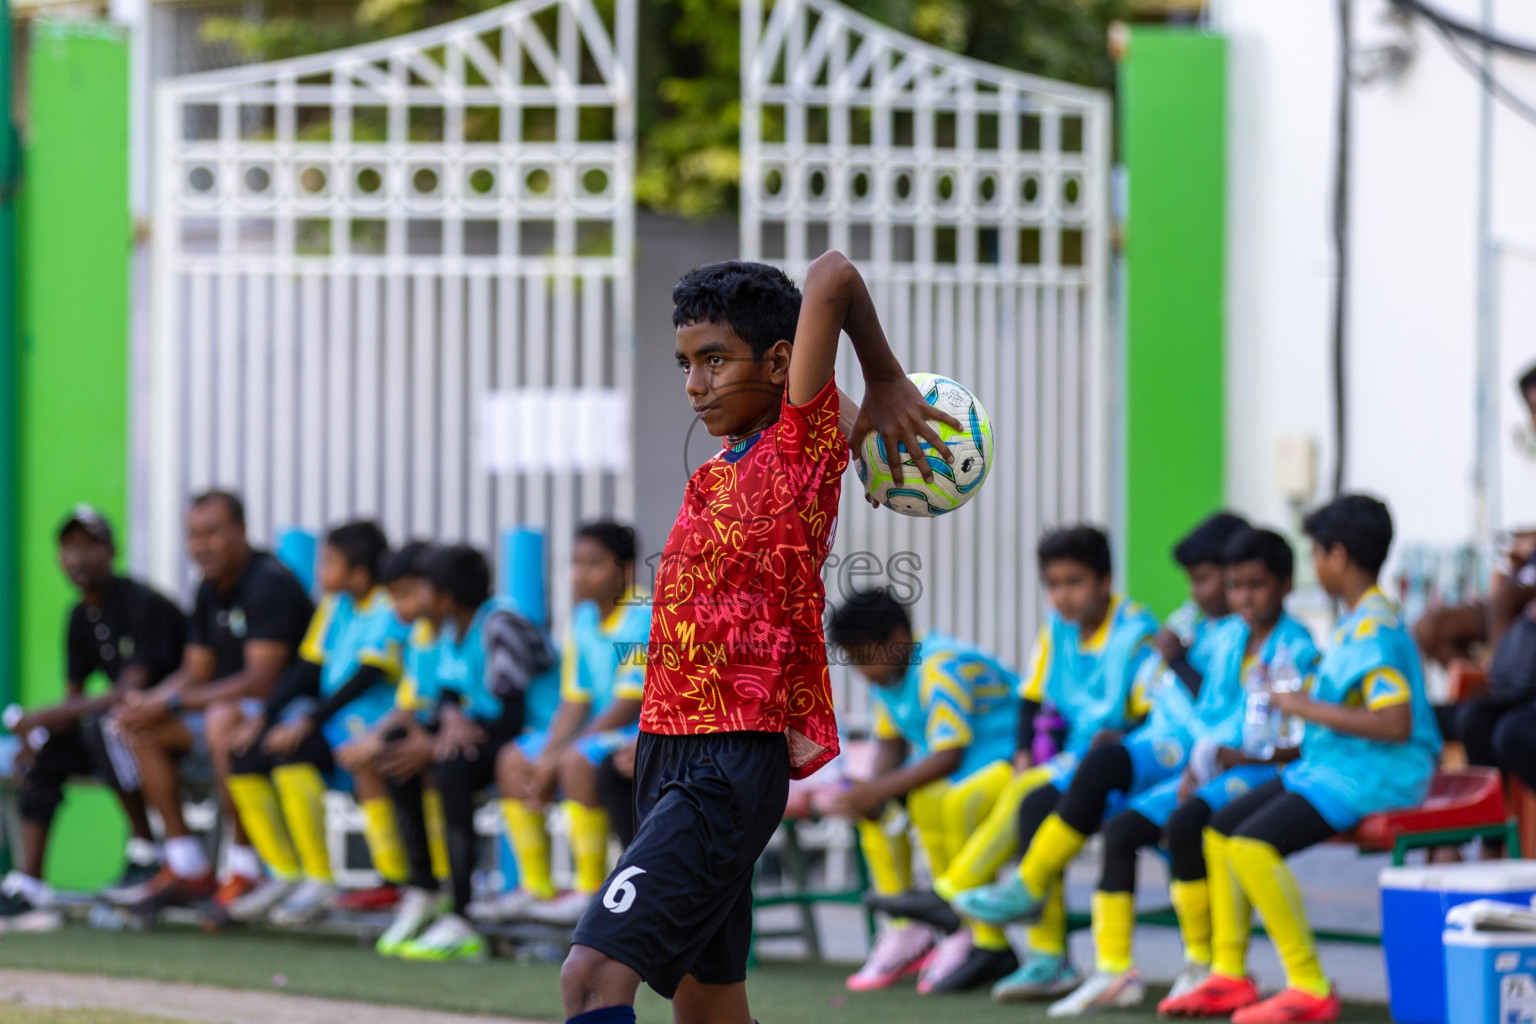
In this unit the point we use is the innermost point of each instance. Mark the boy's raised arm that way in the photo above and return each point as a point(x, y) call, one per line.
point(836, 300)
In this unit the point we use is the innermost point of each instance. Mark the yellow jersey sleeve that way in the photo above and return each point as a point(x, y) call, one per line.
point(408, 695)
point(1384, 687)
point(386, 659)
point(571, 688)
point(388, 656)
point(629, 683)
point(1032, 686)
point(1149, 666)
point(312, 649)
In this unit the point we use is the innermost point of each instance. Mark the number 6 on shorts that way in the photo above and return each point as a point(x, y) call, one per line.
point(621, 893)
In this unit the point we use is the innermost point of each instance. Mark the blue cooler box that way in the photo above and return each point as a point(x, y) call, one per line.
point(1492, 977)
point(1413, 905)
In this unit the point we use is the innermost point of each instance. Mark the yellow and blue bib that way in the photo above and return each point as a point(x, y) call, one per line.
point(1091, 682)
point(1371, 662)
point(603, 660)
point(954, 696)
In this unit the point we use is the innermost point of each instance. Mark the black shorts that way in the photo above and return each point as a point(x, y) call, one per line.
point(680, 900)
point(67, 754)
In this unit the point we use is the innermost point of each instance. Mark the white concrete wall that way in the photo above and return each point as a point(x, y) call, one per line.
point(1412, 417)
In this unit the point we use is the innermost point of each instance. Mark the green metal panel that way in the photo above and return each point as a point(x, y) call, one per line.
point(1173, 125)
point(75, 240)
point(9, 174)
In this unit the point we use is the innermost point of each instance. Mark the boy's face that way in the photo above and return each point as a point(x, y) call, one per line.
point(596, 574)
point(732, 393)
point(1208, 588)
point(438, 604)
point(334, 573)
point(1255, 593)
point(407, 594)
point(1075, 590)
point(882, 664)
point(1331, 565)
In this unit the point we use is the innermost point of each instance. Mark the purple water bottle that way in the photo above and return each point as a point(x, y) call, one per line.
point(1046, 723)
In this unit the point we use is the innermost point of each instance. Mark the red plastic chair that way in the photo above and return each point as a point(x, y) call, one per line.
point(1462, 805)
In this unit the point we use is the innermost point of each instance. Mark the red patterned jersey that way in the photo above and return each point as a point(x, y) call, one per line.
point(736, 638)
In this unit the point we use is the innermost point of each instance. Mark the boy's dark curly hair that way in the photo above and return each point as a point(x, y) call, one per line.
point(758, 302)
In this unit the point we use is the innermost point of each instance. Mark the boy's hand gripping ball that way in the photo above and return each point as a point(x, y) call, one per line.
point(953, 483)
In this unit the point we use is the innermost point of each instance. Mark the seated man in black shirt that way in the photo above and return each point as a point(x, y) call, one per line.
point(246, 627)
point(129, 633)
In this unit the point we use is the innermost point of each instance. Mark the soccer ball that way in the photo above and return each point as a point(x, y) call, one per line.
point(953, 483)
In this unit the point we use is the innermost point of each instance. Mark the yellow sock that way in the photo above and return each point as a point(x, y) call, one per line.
point(889, 856)
point(1049, 934)
point(530, 841)
point(384, 844)
point(1262, 873)
point(988, 936)
point(925, 806)
point(589, 844)
point(1192, 903)
point(1114, 919)
point(1049, 853)
point(437, 831)
point(301, 789)
point(256, 802)
point(1231, 913)
point(994, 841)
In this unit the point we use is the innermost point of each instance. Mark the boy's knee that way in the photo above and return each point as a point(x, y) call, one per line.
point(1507, 740)
point(1099, 755)
point(573, 769)
point(572, 760)
point(1183, 831)
point(1120, 836)
point(590, 980)
point(510, 765)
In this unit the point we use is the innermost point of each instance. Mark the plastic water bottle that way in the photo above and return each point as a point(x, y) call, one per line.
point(1285, 677)
point(1258, 731)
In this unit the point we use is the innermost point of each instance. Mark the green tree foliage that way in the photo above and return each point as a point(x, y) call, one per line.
point(690, 66)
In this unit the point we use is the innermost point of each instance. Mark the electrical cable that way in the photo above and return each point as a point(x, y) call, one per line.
point(1446, 23)
point(1501, 92)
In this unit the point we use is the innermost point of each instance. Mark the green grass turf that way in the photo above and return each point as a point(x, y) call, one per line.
point(340, 969)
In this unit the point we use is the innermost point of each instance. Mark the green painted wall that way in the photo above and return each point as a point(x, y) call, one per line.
point(1173, 142)
point(10, 175)
point(75, 238)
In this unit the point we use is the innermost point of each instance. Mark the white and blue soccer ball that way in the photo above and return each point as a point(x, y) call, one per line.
point(953, 483)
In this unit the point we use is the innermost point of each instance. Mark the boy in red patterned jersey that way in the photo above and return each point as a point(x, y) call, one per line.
point(736, 693)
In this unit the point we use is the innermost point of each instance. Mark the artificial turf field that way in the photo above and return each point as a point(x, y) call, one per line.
point(340, 969)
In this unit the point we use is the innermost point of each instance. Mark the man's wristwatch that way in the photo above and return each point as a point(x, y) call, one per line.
point(173, 703)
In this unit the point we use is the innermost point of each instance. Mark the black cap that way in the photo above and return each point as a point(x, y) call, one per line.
point(85, 517)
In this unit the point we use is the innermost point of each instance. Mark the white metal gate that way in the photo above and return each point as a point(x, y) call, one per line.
point(354, 251)
point(975, 201)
